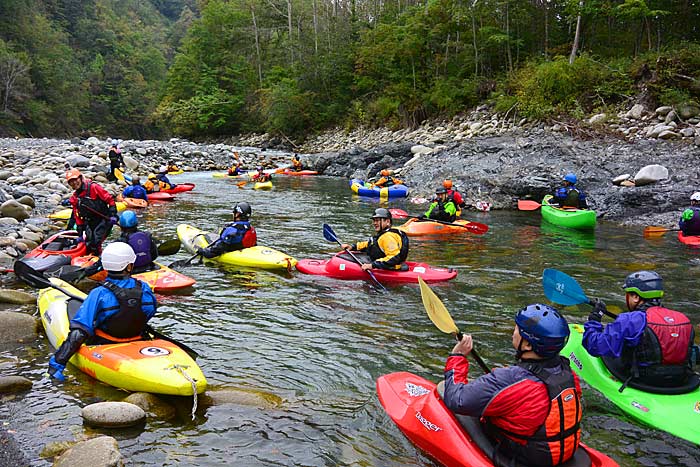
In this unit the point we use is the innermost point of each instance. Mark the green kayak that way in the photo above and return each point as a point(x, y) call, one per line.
point(677, 414)
point(581, 219)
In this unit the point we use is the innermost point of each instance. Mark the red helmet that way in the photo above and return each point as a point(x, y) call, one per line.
point(73, 173)
point(447, 184)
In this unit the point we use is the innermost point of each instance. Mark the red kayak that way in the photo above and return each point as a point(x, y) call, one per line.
point(55, 251)
point(342, 266)
point(179, 188)
point(692, 240)
point(414, 405)
point(160, 196)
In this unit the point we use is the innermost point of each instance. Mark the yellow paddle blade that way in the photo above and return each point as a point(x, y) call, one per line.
point(436, 310)
point(119, 175)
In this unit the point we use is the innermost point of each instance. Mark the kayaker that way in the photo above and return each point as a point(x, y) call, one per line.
point(532, 410)
point(690, 219)
point(441, 209)
point(235, 235)
point(453, 194)
point(162, 177)
point(235, 169)
point(135, 190)
point(387, 179)
point(94, 211)
point(297, 166)
point(115, 311)
point(172, 167)
point(140, 241)
point(260, 176)
point(650, 344)
point(116, 160)
point(569, 195)
point(152, 184)
point(388, 249)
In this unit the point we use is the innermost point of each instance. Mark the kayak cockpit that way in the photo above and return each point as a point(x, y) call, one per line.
point(691, 383)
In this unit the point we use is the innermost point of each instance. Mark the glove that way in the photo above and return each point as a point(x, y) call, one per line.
point(599, 309)
point(113, 220)
point(65, 202)
point(56, 369)
point(201, 251)
point(80, 239)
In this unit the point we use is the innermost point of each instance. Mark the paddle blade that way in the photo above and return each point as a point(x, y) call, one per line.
point(30, 275)
point(654, 231)
point(476, 228)
point(436, 310)
point(528, 205)
point(398, 213)
point(169, 247)
point(328, 234)
point(561, 288)
point(241, 184)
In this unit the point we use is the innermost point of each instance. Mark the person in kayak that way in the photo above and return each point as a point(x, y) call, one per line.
point(650, 344)
point(388, 249)
point(172, 167)
point(235, 169)
point(116, 160)
point(690, 219)
point(115, 311)
point(387, 179)
point(569, 195)
point(140, 241)
point(297, 166)
point(235, 235)
point(94, 211)
point(152, 184)
point(260, 176)
point(453, 194)
point(442, 208)
point(135, 190)
point(163, 180)
point(532, 410)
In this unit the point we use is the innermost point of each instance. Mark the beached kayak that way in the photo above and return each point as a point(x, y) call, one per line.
point(64, 214)
point(414, 405)
point(179, 188)
point(263, 185)
point(260, 257)
point(160, 196)
point(581, 219)
point(692, 240)
point(415, 228)
point(155, 366)
point(678, 414)
point(342, 266)
point(359, 187)
point(55, 251)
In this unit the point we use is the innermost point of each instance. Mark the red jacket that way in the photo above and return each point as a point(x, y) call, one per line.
point(96, 193)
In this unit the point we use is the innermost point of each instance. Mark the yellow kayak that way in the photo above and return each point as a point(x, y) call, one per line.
point(155, 366)
point(260, 257)
point(262, 185)
point(64, 214)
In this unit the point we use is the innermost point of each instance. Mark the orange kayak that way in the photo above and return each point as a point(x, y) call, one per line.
point(133, 203)
point(161, 280)
point(415, 228)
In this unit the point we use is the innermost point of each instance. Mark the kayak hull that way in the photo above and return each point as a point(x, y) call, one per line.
point(395, 191)
point(135, 203)
point(176, 172)
point(62, 243)
point(414, 405)
point(242, 176)
point(263, 185)
point(677, 414)
point(342, 267)
point(154, 366)
point(160, 196)
point(293, 173)
point(259, 257)
point(580, 219)
point(161, 280)
point(415, 228)
point(179, 188)
point(692, 240)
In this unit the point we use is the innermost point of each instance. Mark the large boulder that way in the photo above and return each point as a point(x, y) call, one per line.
point(131, 163)
point(113, 414)
point(12, 208)
point(16, 327)
point(76, 160)
point(635, 112)
point(650, 174)
point(11, 384)
point(97, 452)
point(16, 296)
point(153, 405)
point(688, 110)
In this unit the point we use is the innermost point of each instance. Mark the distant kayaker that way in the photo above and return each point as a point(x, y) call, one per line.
point(453, 194)
point(235, 235)
point(172, 167)
point(135, 190)
point(235, 169)
point(690, 219)
point(260, 176)
point(387, 179)
point(650, 344)
point(116, 160)
point(162, 177)
point(140, 241)
point(94, 211)
point(569, 195)
point(531, 411)
point(388, 249)
point(152, 184)
point(115, 311)
point(297, 166)
point(441, 209)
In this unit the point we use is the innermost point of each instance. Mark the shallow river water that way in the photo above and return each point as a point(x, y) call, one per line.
point(319, 344)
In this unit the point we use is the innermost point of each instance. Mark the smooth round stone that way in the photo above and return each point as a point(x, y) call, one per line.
point(102, 451)
point(27, 200)
point(12, 208)
point(152, 405)
point(33, 236)
point(241, 397)
point(16, 296)
point(113, 414)
point(16, 326)
point(10, 384)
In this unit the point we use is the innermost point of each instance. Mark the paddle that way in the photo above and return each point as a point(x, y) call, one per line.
point(329, 235)
point(528, 205)
point(119, 175)
point(40, 281)
point(241, 184)
point(441, 318)
point(657, 231)
point(563, 289)
point(169, 247)
point(477, 228)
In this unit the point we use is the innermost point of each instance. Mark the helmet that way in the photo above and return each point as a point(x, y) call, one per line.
point(381, 213)
point(570, 177)
point(260, 169)
point(73, 173)
point(135, 180)
point(447, 184)
point(544, 328)
point(128, 219)
point(117, 256)
point(440, 190)
point(163, 169)
point(151, 175)
point(646, 284)
point(385, 172)
point(243, 209)
point(695, 196)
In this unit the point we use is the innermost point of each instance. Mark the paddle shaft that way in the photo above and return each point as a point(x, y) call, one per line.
point(327, 229)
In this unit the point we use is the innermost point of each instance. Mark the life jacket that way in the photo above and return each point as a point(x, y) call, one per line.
point(150, 185)
point(140, 242)
point(557, 439)
point(128, 323)
point(570, 196)
point(89, 208)
point(234, 170)
point(375, 252)
point(239, 233)
point(438, 211)
point(164, 185)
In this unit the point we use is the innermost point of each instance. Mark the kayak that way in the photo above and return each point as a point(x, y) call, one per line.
point(415, 228)
point(260, 257)
point(678, 414)
point(161, 280)
point(342, 266)
point(176, 172)
point(55, 251)
point(581, 219)
point(692, 240)
point(242, 176)
point(263, 185)
point(64, 214)
point(135, 203)
point(155, 366)
point(359, 187)
point(179, 188)
point(414, 405)
point(292, 172)
point(160, 196)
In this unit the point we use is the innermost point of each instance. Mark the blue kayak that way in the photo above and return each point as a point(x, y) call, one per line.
point(362, 188)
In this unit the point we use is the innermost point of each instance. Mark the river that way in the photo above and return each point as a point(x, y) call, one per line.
point(319, 344)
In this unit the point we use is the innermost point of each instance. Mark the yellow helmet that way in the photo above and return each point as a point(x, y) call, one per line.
point(151, 175)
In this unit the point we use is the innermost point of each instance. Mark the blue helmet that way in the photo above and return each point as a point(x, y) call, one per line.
point(570, 177)
point(128, 219)
point(646, 284)
point(544, 328)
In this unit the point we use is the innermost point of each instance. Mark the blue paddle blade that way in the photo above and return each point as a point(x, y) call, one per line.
point(561, 288)
point(328, 233)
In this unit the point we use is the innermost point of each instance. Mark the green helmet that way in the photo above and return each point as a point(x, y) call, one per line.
point(646, 284)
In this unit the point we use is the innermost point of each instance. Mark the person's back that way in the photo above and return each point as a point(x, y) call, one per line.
point(141, 242)
point(135, 190)
point(690, 219)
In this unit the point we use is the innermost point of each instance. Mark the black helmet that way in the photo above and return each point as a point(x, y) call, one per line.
point(381, 213)
point(646, 284)
point(243, 209)
point(440, 190)
point(544, 328)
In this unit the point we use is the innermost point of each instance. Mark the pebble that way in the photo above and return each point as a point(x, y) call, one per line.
point(102, 451)
point(10, 384)
point(113, 414)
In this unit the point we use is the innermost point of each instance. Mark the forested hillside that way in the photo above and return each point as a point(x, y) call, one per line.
point(217, 67)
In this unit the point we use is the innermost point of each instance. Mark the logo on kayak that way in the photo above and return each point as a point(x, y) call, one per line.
point(575, 361)
point(266, 251)
point(419, 269)
point(426, 423)
point(668, 319)
point(342, 267)
point(697, 407)
point(639, 406)
point(97, 355)
point(154, 351)
point(414, 390)
point(559, 287)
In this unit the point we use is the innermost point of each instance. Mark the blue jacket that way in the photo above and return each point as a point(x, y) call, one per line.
point(100, 304)
point(135, 191)
point(164, 178)
point(609, 341)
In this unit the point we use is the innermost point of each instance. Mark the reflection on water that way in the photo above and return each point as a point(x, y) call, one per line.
point(318, 344)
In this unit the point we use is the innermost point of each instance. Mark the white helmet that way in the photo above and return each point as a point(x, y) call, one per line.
point(163, 169)
point(117, 256)
point(695, 196)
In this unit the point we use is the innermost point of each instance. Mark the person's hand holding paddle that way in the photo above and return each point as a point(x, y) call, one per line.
point(464, 346)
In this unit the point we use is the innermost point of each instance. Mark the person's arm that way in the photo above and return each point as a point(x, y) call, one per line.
point(149, 304)
point(609, 341)
point(103, 194)
point(450, 208)
point(432, 206)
